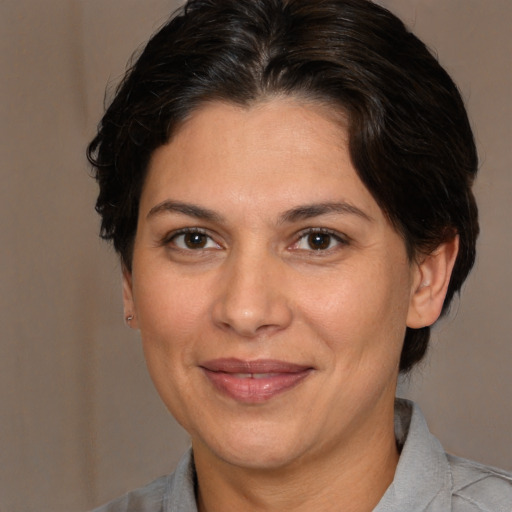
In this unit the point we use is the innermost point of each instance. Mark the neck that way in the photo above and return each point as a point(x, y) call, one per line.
point(350, 476)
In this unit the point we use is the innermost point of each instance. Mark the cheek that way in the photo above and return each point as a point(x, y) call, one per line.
point(171, 313)
point(165, 297)
point(171, 318)
point(361, 311)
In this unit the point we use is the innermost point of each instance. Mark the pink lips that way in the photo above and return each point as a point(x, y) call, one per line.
point(253, 381)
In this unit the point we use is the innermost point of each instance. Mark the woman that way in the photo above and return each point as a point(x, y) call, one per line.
point(288, 186)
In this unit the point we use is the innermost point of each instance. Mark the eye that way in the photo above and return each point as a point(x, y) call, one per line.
point(319, 240)
point(193, 240)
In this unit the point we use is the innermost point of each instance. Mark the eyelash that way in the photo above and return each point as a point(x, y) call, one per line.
point(337, 237)
point(171, 237)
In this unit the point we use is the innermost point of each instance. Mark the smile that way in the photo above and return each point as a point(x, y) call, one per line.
point(253, 382)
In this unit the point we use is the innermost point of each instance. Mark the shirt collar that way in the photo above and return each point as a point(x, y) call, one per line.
point(423, 478)
point(181, 486)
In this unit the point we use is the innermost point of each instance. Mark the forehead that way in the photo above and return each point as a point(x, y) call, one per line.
point(280, 149)
point(274, 123)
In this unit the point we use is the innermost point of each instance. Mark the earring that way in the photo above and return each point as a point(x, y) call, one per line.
point(128, 319)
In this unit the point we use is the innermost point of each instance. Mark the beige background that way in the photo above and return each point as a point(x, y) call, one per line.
point(79, 420)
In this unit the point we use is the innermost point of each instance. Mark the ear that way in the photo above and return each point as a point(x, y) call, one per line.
point(431, 279)
point(128, 302)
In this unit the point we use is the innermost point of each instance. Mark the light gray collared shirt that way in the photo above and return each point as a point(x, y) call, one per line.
point(427, 479)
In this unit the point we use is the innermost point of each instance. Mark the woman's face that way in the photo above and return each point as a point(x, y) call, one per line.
point(271, 292)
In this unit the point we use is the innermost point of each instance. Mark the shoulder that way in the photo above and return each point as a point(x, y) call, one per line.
point(168, 493)
point(479, 488)
point(149, 498)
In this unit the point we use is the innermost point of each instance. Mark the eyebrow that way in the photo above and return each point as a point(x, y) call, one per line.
point(295, 214)
point(315, 210)
point(191, 210)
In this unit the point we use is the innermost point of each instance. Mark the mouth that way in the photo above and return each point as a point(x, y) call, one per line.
point(253, 381)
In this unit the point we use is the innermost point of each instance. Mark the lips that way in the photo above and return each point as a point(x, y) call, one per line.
point(254, 381)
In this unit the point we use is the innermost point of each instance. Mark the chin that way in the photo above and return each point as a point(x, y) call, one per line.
point(257, 447)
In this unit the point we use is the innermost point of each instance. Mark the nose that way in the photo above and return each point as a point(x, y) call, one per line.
point(252, 299)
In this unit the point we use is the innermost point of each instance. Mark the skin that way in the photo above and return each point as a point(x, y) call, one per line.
point(255, 286)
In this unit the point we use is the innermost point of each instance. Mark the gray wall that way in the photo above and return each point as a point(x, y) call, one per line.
point(79, 420)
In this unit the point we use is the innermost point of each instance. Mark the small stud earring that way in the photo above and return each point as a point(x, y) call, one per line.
point(129, 318)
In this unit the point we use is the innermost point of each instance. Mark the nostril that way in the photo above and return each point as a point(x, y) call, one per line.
point(251, 322)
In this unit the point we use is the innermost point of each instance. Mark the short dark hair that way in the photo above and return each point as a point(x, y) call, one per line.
point(409, 135)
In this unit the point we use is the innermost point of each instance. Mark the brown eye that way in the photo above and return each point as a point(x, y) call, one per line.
point(193, 240)
point(319, 241)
